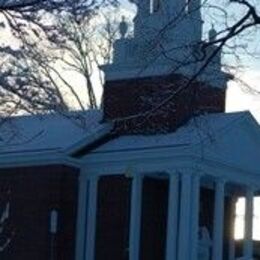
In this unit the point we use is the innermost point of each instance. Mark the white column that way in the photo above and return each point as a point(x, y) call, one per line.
point(135, 218)
point(172, 220)
point(231, 251)
point(218, 221)
point(91, 218)
point(81, 216)
point(195, 200)
point(248, 238)
point(184, 223)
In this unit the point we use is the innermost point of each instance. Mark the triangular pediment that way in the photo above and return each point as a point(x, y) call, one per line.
point(230, 139)
point(236, 145)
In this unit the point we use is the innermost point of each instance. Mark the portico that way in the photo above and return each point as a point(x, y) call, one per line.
point(187, 175)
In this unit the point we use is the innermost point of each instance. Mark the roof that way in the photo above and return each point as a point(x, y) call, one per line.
point(49, 132)
point(230, 138)
point(229, 141)
point(194, 132)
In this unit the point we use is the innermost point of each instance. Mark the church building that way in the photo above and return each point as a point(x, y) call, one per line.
point(156, 174)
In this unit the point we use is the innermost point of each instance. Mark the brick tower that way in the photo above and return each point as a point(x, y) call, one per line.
point(158, 78)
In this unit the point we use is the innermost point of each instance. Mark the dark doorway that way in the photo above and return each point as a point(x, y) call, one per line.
point(154, 219)
point(113, 208)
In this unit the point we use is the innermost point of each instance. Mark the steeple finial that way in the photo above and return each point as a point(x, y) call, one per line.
point(212, 33)
point(123, 27)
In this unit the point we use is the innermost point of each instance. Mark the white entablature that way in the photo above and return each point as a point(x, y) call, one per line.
point(228, 142)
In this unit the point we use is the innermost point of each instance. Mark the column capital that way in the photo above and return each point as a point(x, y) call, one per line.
point(185, 171)
point(197, 175)
point(220, 180)
point(174, 177)
point(199, 170)
point(82, 177)
point(173, 174)
point(85, 175)
point(93, 177)
point(251, 188)
point(134, 175)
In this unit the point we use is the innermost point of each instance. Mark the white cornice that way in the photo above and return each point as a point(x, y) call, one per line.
point(119, 71)
point(159, 163)
point(37, 159)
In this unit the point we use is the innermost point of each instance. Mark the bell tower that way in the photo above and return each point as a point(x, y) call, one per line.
point(150, 86)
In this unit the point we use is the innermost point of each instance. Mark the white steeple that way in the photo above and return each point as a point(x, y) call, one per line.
point(167, 33)
point(173, 23)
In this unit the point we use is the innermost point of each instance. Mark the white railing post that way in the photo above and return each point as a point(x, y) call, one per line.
point(218, 220)
point(195, 199)
point(184, 223)
point(172, 220)
point(81, 216)
point(248, 236)
point(135, 217)
point(91, 217)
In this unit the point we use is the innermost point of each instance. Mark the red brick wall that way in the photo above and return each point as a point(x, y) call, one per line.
point(33, 193)
point(137, 100)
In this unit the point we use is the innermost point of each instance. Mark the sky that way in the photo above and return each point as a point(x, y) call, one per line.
point(239, 96)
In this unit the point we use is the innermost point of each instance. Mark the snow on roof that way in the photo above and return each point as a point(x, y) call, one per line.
point(56, 132)
point(197, 130)
point(48, 132)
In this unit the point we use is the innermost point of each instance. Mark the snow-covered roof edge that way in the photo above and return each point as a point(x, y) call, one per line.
point(101, 131)
point(228, 121)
